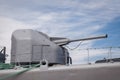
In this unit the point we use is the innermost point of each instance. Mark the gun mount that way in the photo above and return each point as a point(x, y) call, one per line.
point(31, 47)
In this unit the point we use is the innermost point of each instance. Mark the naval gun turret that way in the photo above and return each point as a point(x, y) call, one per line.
point(31, 47)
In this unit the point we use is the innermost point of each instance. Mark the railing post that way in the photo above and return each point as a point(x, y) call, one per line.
point(88, 56)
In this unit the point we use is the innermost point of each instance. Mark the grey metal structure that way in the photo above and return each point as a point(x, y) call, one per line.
point(33, 46)
point(29, 46)
point(2, 55)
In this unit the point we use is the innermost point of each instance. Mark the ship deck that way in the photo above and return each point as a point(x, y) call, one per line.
point(102, 71)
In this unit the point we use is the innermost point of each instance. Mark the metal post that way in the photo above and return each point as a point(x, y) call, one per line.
point(88, 56)
point(110, 54)
point(4, 50)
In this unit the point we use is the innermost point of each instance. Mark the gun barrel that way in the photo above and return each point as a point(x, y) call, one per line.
point(65, 41)
point(90, 38)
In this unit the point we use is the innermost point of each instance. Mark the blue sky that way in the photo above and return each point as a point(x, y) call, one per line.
point(66, 18)
point(113, 30)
